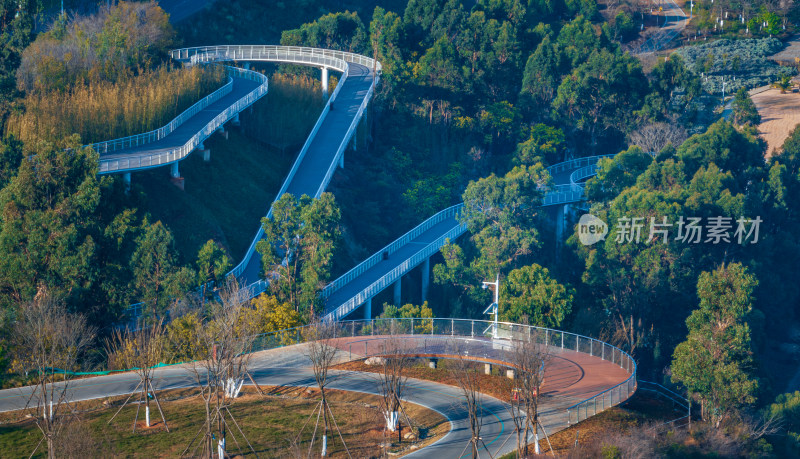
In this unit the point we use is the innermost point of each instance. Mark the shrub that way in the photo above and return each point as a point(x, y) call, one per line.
point(103, 110)
point(109, 45)
point(744, 59)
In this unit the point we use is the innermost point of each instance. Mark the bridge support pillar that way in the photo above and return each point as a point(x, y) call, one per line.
point(324, 82)
point(246, 66)
point(487, 368)
point(235, 120)
point(432, 363)
point(368, 309)
point(174, 172)
point(561, 224)
point(398, 287)
point(341, 161)
point(126, 179)
point(223, 132)
point(426, 278)
point(510, 373)
point(355, 140)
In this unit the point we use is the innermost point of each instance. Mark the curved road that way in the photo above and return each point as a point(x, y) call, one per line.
point(569, 376)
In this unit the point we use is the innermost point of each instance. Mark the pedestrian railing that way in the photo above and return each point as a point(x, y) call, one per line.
point(465, 338)
point(110, 146)
point(162, 157)
point(449, 213)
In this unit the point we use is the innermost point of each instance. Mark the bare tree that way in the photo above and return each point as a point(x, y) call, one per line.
point(226, 342)
point(654, 137)
point(392, 380)
point(49, 342)
point(142, 350)
point(322, 351)
point(529, 354)
point(465, 374)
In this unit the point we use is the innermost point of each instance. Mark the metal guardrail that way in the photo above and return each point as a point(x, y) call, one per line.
point(389, 278)
point(176, 154)
point(337, 60)
point(109, 146)
point(275, 53)
point(559, 194)
point(433, 334)
point(391, 248)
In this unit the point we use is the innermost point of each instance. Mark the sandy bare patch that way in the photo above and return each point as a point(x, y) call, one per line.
point(780, 113)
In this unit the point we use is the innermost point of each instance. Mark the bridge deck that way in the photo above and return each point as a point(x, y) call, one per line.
point(394, 260)
point(321, 153)
point(181, 135)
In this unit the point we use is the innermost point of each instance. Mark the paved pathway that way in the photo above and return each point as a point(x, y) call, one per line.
point(570, 377)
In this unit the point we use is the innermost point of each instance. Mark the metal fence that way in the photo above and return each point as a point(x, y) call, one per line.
point(441, 337)
point(158, 134)
point(275, 53)
point(160, 158)
point(289, 54)
point(450, 212)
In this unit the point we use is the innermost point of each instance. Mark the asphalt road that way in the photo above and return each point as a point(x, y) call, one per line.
point(289, 367)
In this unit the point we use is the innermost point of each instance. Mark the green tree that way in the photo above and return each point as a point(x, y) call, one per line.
point(386, 35)
point(600, 96)
point(297, 248)
point(744, 110)
point(341, 31)
point(617, 173)
point(157, 277)
point(212, 264)
point(500, 216)
point(715, 362)
point(47, 224)
point(578, 40)
point(542, 74)
point(529, 292)
point(544, 145)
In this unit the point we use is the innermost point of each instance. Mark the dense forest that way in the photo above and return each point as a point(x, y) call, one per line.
point(476, 100)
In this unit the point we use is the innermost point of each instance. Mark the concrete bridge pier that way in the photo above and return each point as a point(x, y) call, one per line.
point(562, 212)
point(426, 278)
point(235, 120)
point(487, 368)
point(174, 172)
point(206, 152)
point(324, 82)
point(398, 287)
point(246, 66)
point(341, 161)
point(223, 132)
point(368, 309)
point(126, 179)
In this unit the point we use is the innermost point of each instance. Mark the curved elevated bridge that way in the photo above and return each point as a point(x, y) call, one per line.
point(315, 164)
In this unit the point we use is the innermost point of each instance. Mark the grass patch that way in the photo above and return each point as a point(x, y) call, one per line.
point(268, 422)
point(223, 200)
point(494, 385)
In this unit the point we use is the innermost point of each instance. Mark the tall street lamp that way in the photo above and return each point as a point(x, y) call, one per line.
point(493, 308)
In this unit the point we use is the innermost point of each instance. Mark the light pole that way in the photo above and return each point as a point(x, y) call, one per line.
point(493, 308)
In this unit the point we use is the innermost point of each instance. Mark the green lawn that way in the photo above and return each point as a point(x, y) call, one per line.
point(269, 423)
point(222, 200)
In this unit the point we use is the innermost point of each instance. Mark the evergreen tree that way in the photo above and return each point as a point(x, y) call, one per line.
point(715, 362)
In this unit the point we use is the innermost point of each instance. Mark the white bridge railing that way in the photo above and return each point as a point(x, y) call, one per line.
point(109, 146)
point(346, 307)
point(275, 53)
point(138, 161)
point(337, 60)
point(440, 337)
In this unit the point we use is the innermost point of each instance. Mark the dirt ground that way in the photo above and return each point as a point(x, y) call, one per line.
point(780, 113)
